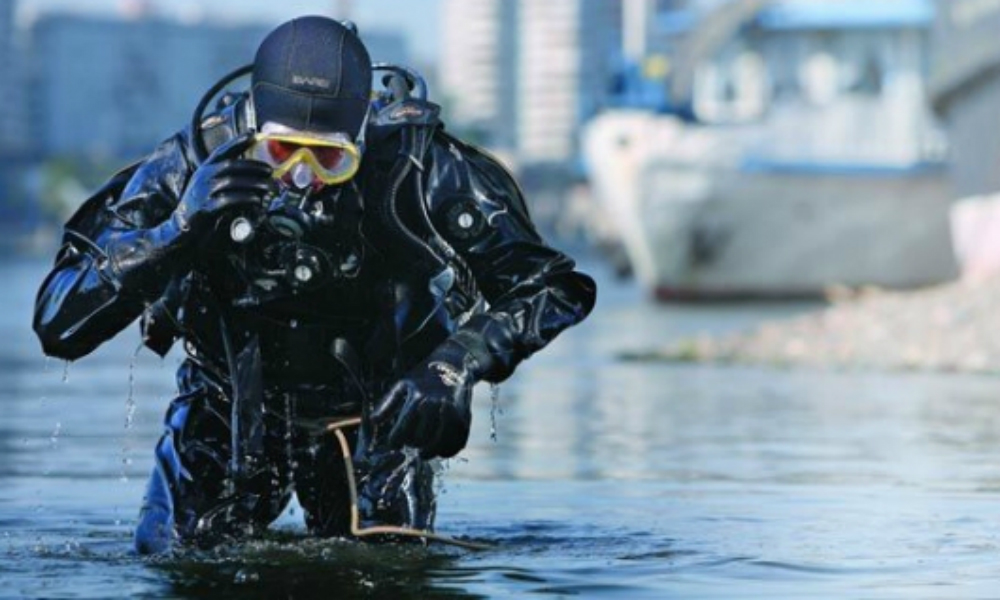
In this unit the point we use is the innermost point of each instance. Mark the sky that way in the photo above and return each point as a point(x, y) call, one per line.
point(417, 19)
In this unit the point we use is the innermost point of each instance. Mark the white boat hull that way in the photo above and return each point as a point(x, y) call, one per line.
point(697, 224)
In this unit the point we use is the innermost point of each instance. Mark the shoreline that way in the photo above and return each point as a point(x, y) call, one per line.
point(948, 328)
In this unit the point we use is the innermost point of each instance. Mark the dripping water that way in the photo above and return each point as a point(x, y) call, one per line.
point(130, 407)
point(53, 442)
point(289, 449)
point(130, 399)
point(495, 409)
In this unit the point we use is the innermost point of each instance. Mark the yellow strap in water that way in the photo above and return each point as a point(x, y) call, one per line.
point(356, 528)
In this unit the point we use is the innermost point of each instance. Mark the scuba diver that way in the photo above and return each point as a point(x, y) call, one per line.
point(341, 272)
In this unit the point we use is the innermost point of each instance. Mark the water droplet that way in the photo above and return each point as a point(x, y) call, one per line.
point(244, 576)
point(65, 374)
point(54, 438)
point(293, 324)
point(495, 409)
point(289, 449)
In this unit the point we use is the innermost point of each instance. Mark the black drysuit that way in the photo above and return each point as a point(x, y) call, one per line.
point(430, 242)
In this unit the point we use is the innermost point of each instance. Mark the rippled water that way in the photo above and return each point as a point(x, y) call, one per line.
point(605, 478)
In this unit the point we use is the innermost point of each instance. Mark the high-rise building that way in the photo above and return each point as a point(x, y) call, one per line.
point(478, 68)
point(568, 53)
point(526, 74)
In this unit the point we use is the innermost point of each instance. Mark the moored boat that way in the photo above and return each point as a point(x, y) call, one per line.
point(812, 159)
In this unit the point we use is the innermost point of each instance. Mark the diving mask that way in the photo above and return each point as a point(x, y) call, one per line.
point(306, 159)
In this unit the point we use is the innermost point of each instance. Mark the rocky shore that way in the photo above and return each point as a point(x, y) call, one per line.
point(955, 327)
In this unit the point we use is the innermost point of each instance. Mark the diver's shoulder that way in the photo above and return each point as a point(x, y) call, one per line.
point(387, 121)
point(450, 148)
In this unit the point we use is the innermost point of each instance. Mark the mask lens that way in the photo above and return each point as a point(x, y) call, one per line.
point(280, 150)
point(330, 158)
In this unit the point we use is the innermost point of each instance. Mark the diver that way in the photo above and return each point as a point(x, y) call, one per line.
point(340, 272)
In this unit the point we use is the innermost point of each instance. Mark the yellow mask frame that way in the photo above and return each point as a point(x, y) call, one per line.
point(306, 154)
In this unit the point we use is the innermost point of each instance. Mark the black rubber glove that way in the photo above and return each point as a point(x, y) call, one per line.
point(430, 408)
point(225, 184)
point(222, 185)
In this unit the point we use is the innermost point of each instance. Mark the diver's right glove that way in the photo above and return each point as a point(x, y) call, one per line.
point(429, 408)
point(224, 185)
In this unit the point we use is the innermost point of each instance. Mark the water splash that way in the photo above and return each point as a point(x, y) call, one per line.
point(495, 409)
point(244, 576)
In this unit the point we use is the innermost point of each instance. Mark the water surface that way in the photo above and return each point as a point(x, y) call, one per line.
point(605, 478)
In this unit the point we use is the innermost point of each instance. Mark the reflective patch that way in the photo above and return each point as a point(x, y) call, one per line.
point(407, 111)
point(449, 375)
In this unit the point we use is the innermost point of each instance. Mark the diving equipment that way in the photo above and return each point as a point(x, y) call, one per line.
point(303, 159)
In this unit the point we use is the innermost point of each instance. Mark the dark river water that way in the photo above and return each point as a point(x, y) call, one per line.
point(604, 478)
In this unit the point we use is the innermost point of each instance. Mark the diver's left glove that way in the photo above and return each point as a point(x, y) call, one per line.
point(430, 408)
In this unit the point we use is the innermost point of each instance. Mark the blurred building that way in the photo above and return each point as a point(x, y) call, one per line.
point(478, 69)
point(13, 100)
point(113, 87)
point(568, 52)
point(527, 74)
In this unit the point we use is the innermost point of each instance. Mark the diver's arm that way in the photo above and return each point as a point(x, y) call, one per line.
point(534, 291)
point(136, 246)
point(87, 298)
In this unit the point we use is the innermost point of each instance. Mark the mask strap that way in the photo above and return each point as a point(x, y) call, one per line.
point(359, 141)
point(251, 113)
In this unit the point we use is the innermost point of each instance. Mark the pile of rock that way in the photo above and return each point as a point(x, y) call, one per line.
point(955, 327)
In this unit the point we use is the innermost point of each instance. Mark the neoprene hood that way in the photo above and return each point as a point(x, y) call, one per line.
point(313, 74)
